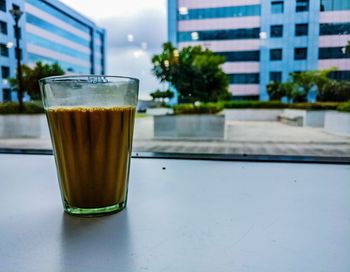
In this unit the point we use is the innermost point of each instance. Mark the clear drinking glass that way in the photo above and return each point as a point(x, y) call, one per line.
point(91, 121)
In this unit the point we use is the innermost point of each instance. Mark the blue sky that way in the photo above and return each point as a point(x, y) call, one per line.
point(136, 30)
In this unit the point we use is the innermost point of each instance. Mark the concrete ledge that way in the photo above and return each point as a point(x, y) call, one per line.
point(252, 114)
point(337, 122)
point(192, 126)
point(23, 126)
point(305, 118)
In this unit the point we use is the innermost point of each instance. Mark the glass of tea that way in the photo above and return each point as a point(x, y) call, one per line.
point(91, 121)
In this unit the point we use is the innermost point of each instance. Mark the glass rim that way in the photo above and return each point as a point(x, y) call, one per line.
point(62, 78)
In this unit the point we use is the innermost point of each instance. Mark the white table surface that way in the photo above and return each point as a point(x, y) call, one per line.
point(191, 216)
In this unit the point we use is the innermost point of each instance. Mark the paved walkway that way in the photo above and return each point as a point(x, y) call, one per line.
point(242, 137)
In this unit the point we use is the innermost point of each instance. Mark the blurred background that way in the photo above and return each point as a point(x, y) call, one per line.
point(223, 77)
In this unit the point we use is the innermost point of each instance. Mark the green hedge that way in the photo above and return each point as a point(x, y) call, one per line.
point(13, 108)
point(278, 105)
point(344, 107)
point(253, 104)
point(210, 108)
point(315, 106)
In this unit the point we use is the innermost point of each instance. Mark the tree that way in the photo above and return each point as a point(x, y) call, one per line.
point(275, 91)
point(305, 81)
point(31, 76)
point(195, 72)
point(162, 95)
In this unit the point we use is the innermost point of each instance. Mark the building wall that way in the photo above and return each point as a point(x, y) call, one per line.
point(241, 31)
point(53, 32)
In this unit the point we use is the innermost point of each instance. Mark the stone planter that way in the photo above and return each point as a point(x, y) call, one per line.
point(252, 114)
point(304, 118)
point(337, 122)
point(23, 126)
point(191, 126)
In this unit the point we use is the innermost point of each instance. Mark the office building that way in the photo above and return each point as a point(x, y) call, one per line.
point(265, 40)
point(49, 32)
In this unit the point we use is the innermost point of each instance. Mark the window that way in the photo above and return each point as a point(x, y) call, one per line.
point(331, 5)
point(276, 76)
point(229, 34)
point(340, 75)
point(3, 5)
point(300, 53)
point(3, 27)
point(333, 53)
point(276, 31)
point(301, 29)
point(5, 72)
point(275, 54)
point(246, 78)
point(222, 12)
point(277, 7)
point(6, 95)
point(302, 5)
point(4, 51)
point(335, 29)
point(241, 55)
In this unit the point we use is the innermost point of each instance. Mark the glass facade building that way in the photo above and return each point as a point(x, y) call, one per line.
point(50, 32)
point(265, 40)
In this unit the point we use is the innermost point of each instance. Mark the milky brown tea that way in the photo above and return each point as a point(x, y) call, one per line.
point(92, 147)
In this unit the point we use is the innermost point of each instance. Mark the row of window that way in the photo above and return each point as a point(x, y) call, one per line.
point(300, 53)
point(234, 56)
point(246, 78)
point(276, 76)
point(276, 31)
point(45, 43)
point(236, 11)
point(331, 5)
point(57, 30)
point(303, 5)
point(276, 54)
point(300, 6)
point(32, 58)
point(335, 29)
point(221, 12)
point(59, 14)
point(227, 34)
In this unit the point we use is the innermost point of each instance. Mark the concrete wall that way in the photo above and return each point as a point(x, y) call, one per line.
point(337, 122)
point(194, 126)
point(309, 118)
point(24, 126)
point(252, 114)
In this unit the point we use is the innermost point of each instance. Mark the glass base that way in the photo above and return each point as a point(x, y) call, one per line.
point(92, 212)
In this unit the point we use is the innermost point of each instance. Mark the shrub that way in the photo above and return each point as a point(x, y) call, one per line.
point(13, 108)
point(275, 91)
point(203, 108)
point(334, 91)
point(345, 107)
